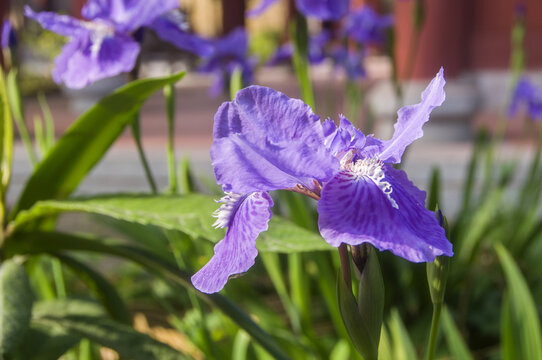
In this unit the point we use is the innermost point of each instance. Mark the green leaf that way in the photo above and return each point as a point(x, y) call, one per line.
point(52, 242)
point(403, 349)
point(519, 313)
point(456, 345)
point(86, 142)
point(47, 343)
point(16, 300)
point(6, 142)
point(85, 319)
point(191, 214)
point(105, 292)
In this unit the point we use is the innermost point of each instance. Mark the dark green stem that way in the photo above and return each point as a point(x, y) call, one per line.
point(136, 133)
point(169, 93)
point(433, 335)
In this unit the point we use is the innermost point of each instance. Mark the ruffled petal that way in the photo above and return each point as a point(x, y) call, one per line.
point(247, 216)
point(324, 9)
point(128, 15)
point(264, 140)
point(385, 212)
point(172, 28)
point(90, 62)
point(61, 24)
point(260, 8)
point(411, 120)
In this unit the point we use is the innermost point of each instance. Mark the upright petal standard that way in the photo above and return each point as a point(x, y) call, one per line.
point(265, 141)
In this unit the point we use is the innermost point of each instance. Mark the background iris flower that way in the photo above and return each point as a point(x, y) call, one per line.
point(526, 93)
point(316, 51)
point(228, 54)
point(104, 46)
point(349, 60)
point(366, 26)
point(265, 141)
point(321, 9)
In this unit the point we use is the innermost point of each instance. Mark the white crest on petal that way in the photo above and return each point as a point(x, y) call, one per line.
point(372, 169)
point(99, 31)
point(224, 214)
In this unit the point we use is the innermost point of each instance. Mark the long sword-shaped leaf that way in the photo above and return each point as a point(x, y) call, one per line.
point(519, 312)
point(191, 214)
point(51, 242)
point(86, 142)
point(78, 317)
point(16, 300)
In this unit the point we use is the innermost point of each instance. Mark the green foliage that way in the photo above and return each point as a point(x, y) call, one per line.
point(86, 141)
point(521, 334)
point(86, 320)
point(16, 300)
point(191, 214)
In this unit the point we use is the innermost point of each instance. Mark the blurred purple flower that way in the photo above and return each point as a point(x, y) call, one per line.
point(8, 35)
point(321, 9)
point(104, 46)
point(228, 53)
point(526, 93)
point(316, 54)
point(265, 141)
point(350, 61)
point(366, 26)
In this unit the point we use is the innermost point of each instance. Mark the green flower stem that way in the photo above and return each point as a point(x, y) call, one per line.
point(301, 60)
point(433, 335)
point(16, 103)
point(169, 94)
point(136, 133)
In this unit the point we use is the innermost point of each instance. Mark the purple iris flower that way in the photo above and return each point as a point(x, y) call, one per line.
point(526, 93)
point(316, 51)
point(321, 9)
point(103, 45)
point(228, 54)
point(367, 27)
point(265, 141)
point(350, 61)
point(8, 35)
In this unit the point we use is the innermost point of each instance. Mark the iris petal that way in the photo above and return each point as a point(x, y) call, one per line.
point(354, 209)
point(61, 24)
point(411, 120)
point(324, 9)
point(114, 55)
point(264, 140)
point(235, 253)
point(170, 28)
point(127, 15)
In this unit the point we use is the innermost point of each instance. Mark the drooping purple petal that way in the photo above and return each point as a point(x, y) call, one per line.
point(366, 26)
point(260, 8)
point(172, 28)
point(264, 140)
point(246, 217)
point(411, 120)
point(83, 62)
point(371, 204)
point(526, 93)
point(324, 9)
point(61, 24)
point(127, 15)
